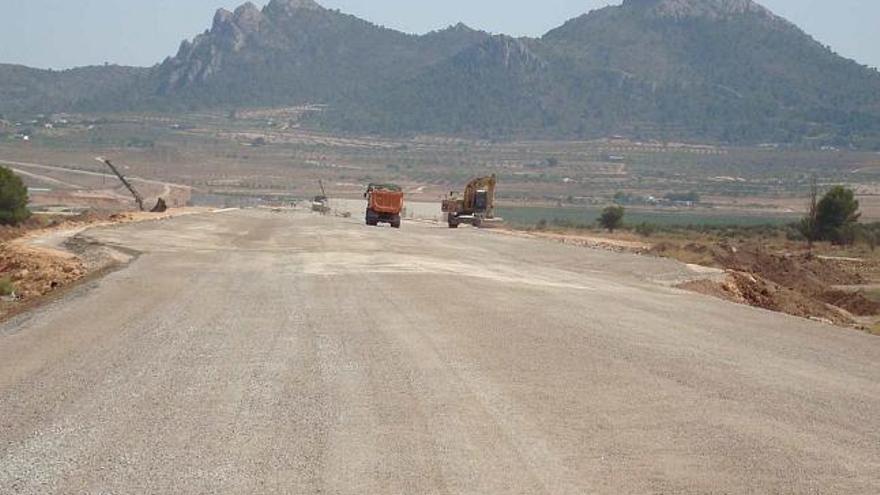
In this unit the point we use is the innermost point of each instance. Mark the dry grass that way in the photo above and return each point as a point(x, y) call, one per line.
point(680, 253)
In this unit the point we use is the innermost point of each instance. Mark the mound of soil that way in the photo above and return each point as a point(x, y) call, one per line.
point(810, 275)
point(796, 284)
point(746, 288)
point(853, 302)
point(34, 273)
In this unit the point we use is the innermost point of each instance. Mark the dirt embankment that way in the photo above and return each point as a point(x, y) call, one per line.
point(580, 240)
point(41, 258)
point(33, 273)
point(797, 284)
point(30, 271)
point(778, 278)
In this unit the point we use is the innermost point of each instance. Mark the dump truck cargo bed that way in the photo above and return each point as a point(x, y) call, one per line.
point(382, 201)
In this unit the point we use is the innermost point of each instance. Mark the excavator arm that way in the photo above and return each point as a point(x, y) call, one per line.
point(479, 195)
point(477, 204)
point(137, 196)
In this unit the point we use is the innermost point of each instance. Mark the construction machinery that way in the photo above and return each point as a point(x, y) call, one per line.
point(476, 207)
point(321, 204)
point(384, 204)
point(160, 207)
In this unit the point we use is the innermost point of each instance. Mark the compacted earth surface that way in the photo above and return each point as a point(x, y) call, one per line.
point(284, 352)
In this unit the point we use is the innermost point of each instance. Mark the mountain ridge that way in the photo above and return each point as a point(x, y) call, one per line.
point(719, 70)
point(682, 9)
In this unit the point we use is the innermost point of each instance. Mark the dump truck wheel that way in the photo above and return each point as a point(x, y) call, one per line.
point(372, 219)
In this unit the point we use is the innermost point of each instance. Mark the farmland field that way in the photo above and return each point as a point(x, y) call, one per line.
point(527, 216)
point(257, 157)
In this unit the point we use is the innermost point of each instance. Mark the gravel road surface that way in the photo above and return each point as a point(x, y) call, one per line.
point(251, 352)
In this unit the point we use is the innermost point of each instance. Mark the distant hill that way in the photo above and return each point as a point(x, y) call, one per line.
point(726, 70)
point(295, 51)
point(25, 90)
point(719, 70)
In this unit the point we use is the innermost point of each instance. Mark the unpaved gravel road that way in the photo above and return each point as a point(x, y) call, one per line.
point(257, 352)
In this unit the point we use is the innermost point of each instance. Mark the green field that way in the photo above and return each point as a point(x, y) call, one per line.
point(525, 216)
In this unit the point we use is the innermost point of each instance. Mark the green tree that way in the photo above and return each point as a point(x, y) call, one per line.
point(837, 215)
point(612, 218)
point(13, 198)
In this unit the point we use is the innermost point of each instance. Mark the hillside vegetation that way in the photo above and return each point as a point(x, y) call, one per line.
point(716, 70)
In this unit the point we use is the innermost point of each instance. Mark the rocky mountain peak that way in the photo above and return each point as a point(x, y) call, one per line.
point(296, 4)
point(235, 25)
point(460, 27)
point(288, 7)
point(222, 17)
point(711, 9)
point(201, 59)
point(248, 17)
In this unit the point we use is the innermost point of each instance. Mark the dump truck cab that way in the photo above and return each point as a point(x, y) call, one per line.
point(384, 204)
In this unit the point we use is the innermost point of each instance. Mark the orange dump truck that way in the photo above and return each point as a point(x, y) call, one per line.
point(384, 204)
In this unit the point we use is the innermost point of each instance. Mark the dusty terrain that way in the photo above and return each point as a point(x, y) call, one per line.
point(281, 352)
point(93, 188)
point(44, 256)
point(790, 281)
point(265, 155)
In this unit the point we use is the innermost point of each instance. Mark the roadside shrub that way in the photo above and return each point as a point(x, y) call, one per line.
point(798, 231)
point(13, 198)
point(7, 288)
point(646, 229)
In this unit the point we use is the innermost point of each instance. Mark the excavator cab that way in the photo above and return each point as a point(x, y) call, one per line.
point(476, 207)
point(481, 201)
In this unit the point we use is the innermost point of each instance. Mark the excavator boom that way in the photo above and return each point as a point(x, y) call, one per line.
point(137, 196)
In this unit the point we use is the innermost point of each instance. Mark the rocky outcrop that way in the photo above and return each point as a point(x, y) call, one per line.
point(289, 40)
point(504, 51)
point(201, 59)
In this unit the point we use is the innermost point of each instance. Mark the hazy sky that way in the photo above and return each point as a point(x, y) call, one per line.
point(69, 33)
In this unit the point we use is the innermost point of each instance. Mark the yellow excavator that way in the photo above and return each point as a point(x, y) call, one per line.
point(476, 207)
